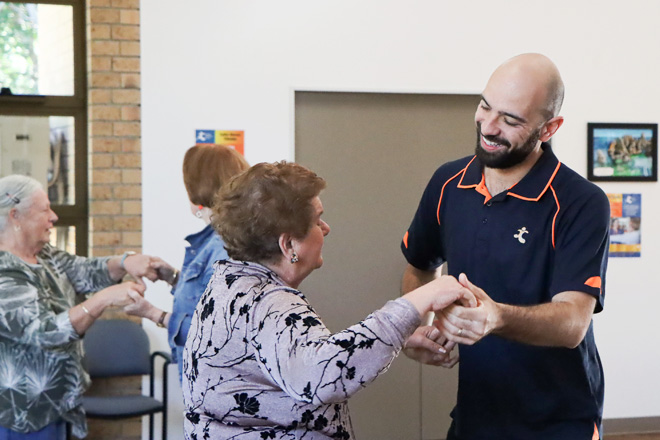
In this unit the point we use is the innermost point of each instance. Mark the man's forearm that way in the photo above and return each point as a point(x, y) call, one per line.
point(414, 278)
point(561, 323)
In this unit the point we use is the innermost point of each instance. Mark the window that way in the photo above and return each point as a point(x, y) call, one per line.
point(43, 107)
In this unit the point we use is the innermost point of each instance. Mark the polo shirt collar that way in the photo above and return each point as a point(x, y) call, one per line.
point(532, 187)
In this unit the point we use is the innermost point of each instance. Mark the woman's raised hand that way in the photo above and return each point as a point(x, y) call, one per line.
point(440, 293)
point(448, 291)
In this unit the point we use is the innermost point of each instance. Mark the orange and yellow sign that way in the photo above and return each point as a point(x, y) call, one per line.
point(228, 138)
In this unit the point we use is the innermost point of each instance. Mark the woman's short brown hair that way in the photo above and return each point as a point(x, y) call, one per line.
point(257, 206)
point(206, 168)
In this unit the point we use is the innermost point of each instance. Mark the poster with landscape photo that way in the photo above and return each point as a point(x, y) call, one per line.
point(622, 152)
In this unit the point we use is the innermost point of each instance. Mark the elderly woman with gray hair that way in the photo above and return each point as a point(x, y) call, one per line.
point(44, 312)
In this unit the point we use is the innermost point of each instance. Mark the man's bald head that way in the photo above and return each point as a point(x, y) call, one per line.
point(540, 78)
point(518, 111)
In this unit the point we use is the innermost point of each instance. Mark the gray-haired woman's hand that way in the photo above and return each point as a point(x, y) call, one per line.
point(139, 265)
point(122, 294)
point(119, 295)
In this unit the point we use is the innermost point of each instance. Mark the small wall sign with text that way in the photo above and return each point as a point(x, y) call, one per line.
point(228, 138)
point(625, 225)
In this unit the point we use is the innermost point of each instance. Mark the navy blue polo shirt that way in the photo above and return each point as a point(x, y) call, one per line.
point(545, 235)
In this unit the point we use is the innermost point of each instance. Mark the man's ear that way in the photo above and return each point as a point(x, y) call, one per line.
point(551, 127)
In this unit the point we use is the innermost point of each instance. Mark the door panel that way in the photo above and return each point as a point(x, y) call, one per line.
point(377, 152)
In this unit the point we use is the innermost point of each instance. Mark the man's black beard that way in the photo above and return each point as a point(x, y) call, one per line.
point(506, 158)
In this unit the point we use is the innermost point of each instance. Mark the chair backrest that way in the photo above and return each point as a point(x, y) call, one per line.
point(116, 347)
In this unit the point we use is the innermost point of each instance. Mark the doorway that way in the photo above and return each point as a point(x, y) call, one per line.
point(377, 151)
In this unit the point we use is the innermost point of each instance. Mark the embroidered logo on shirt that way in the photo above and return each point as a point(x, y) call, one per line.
point(522, 231)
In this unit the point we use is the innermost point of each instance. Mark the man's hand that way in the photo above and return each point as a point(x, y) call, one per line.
point(468, 325)
point(426, 346)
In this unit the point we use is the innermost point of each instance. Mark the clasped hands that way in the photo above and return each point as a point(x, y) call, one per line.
point(465, 321)
point(146, 266)
point(140, 266)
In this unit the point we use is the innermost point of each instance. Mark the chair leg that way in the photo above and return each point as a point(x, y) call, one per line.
point(151, 427)
point(165, 425)
point(165, 401)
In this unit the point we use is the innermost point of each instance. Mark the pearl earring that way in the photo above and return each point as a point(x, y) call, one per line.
point(198, 214)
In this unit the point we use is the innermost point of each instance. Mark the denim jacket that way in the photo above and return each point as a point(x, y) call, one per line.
point(206, 247)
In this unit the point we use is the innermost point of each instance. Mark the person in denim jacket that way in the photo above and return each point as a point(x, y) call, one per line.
point(205, 169)
point(206, 247)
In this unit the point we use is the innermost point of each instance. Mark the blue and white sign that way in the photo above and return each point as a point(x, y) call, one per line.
point(205, 136)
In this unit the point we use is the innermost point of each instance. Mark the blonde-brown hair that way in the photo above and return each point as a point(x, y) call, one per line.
point(257, 206)
point(206, 168)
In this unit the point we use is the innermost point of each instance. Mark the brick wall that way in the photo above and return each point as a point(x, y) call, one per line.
point(114, 119)
point(113, 63)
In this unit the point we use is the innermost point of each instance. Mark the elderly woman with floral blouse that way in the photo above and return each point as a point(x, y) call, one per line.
point(44, 313)
point(259, 363)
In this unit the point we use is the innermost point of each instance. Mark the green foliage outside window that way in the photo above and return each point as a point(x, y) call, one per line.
point(18, 61)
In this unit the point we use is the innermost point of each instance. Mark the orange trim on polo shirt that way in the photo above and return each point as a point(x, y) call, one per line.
point(594, 282)
point(405, 240)
point(536, 199)
point(479, 187)
point(554, 219)
point(443, 188)
point(482, 189)
point(460, 184)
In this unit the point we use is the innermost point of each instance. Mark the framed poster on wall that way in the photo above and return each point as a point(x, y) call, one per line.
point(622, 152)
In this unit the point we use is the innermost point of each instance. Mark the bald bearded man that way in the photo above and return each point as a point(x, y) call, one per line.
point(529, 237)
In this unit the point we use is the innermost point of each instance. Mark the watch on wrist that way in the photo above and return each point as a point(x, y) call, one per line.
point(161, 320)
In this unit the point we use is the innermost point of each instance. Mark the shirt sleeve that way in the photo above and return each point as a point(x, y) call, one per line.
point(582, 246)
point(26, 319)
point(297, 351)
point(421, 244)
point(87, 275)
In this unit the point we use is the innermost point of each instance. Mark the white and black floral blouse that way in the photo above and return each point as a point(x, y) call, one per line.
point(41, 375)
point(260, 364)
